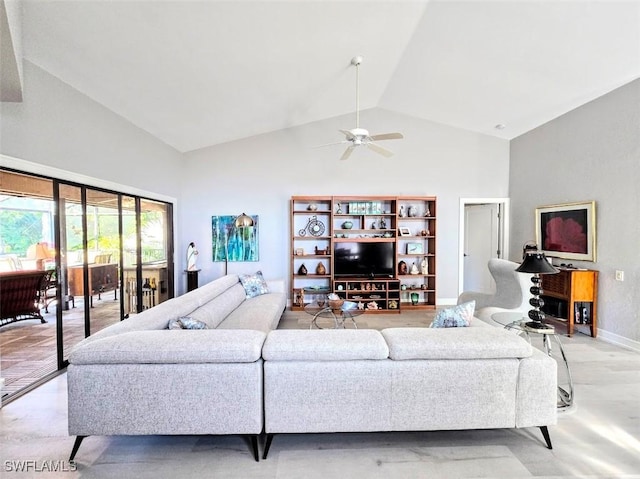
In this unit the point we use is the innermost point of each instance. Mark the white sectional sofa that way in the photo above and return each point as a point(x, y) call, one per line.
point(244, 377)
point(405, 379)
point(137, 377)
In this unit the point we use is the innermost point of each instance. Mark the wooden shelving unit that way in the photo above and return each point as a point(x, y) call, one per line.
point(319, 223)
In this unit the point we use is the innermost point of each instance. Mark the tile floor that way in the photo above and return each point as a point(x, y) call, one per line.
point(598, 438)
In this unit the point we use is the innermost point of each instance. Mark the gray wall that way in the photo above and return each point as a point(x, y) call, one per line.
point(590, 153)
point(259, 175)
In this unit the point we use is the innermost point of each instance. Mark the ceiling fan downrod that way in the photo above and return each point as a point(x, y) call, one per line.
point(357, 60)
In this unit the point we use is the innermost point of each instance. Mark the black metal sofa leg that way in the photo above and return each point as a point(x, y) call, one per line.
point(254, 447)
point(267, 446)
point(76, 446)
point(547, 438)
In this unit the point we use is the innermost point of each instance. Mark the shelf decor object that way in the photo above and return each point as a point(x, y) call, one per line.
point(234, 238)
point(535, 262)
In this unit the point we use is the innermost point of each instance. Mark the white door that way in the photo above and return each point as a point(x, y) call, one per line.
point(481, 243)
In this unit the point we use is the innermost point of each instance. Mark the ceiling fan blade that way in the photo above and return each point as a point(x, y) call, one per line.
point(347, 152)
point(334, 143)
point(387, 136)
point(347, 134)
point(379, 149)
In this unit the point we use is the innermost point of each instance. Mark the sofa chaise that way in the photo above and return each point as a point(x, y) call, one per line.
point(139, 378)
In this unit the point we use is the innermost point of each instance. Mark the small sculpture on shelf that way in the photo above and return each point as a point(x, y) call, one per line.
point(402, 267)
point(300, 297)
point(414, 269)
point(412, 211)
point(302, 270)
point(424, 266)
point(428, 212)
point(383, 224)
point(402, 213)
point(393, 304)
point(339, 210)
point(320, 269)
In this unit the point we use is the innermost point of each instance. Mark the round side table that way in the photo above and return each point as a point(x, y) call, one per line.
point(516, 321)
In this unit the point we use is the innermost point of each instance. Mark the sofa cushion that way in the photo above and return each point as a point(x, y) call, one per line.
point(324, 345)
point(454, 343)
point(456, 317)
point(254, 284)
point(173, 347)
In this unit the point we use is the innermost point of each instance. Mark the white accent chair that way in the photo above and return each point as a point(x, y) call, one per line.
point(512, 292)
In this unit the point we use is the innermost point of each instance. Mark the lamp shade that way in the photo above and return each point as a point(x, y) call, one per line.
point(536, 263)
point(243, 221)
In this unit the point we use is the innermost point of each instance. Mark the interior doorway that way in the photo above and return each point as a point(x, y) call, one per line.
point(484, 227)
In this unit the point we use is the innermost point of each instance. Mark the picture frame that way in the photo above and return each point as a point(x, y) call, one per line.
point(567, 231)
point(415, 248)
point(404, 231)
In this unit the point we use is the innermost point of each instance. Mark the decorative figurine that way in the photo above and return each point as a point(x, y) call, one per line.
point(412, 211)
point(424, 266)
point(383, 224)
point(320, 269)
point(414, 269)
point(339, 210)
point(302, 270)
point(428, 212)
point(402, 267)
point(402, 213)
point(192, 254)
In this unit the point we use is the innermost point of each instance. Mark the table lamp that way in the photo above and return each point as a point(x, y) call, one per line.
point(40, 252)
point(240, 221)
point(536, 262)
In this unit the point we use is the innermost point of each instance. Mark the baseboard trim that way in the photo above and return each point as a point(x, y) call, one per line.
point(618, 340)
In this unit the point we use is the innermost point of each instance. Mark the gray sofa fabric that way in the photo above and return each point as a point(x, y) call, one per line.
point(431, 379)
point(137, 377)
point(243, 377)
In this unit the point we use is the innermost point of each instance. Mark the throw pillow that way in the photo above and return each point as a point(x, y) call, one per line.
point(457, 317)
point(186, 323)
point(254, 284)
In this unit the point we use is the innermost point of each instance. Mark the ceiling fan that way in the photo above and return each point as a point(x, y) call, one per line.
point(359, 136)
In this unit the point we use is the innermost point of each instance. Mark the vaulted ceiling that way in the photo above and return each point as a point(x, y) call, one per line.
point(200, 73)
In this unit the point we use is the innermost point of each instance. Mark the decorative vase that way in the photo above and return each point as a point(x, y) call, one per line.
point(347, 225)
point(320, 269)
point(302, 270)
point(414, 298)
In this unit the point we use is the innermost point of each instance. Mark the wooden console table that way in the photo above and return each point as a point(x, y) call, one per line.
point(574, 286)
point(102, 277)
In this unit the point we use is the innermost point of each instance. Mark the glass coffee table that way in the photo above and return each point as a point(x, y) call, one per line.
point(517, 322)
point(326, 318)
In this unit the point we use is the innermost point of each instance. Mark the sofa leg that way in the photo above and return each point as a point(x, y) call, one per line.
point(76, 446)
point(267, 446)
point(254, 447)
point(547, 438)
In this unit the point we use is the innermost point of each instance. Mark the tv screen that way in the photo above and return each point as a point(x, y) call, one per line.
point(370, 260)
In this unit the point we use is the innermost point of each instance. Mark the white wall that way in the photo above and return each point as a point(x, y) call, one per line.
point(258, 175)
point(590, 153)
point(55, 125)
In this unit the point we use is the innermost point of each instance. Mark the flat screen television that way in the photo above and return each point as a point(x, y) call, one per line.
point(567, 231)
point(364, 260)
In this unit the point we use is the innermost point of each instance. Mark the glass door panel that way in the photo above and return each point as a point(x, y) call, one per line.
point(72, 306)
point(103, 253)
point(154, 228)
point(130, 251)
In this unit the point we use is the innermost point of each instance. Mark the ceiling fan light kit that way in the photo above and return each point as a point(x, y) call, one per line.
point(360, 136)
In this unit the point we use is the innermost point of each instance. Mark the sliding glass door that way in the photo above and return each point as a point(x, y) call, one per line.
point(106, 255)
